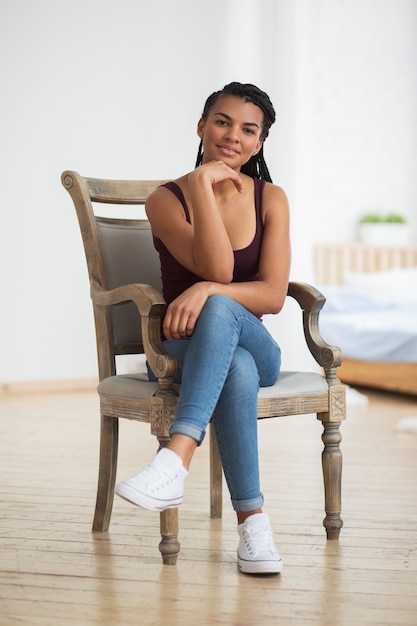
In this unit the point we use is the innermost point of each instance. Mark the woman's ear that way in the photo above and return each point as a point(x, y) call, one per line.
point(258, 147)
point(200, 128)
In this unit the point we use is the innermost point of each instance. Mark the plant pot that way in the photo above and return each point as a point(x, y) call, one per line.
point(384, 233)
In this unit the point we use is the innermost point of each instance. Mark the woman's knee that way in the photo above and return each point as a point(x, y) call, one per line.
point(243, 374)
point(218, 317)
point(219, 305)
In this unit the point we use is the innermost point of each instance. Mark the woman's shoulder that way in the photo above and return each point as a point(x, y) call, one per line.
point(170, 190)
point(168, 203)
point(166, 188)
point(275, 192)
point(274, 203)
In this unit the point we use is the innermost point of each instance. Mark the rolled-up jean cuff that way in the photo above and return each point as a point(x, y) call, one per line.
point(184, 428)
point(248, 505)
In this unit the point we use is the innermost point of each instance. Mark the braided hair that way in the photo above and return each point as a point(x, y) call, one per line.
point(256, 166)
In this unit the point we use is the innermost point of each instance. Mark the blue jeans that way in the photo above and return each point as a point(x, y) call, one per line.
point(221, 367)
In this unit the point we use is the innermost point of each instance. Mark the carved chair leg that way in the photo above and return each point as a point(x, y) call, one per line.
point(332, 476)
point(216, 478)
point(169, 545)
point(109, 437)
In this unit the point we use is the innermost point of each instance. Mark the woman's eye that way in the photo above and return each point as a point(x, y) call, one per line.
point(249, 131)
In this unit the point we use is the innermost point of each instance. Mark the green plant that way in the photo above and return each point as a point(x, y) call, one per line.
point(377, 218)
point(395, 218)
point(371, 218)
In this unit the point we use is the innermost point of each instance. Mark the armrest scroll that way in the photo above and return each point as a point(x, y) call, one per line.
point(151, 307)
point(311, 301)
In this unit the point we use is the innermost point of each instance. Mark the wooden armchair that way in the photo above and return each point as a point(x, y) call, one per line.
point(125, 282)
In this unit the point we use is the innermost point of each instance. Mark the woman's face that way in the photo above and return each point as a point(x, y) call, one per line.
point(231, 132)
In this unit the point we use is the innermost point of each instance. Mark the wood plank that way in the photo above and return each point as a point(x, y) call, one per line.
point(53, 570)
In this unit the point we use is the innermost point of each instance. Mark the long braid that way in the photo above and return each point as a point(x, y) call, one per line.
point(199, 154)
point(256, 166)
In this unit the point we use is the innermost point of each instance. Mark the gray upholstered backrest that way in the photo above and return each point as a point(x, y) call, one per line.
point(129, 257)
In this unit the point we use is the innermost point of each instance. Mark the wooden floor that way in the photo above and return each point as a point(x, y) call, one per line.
point(55, 572)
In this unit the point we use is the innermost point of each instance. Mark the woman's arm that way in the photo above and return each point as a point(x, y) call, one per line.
point(203, 247)
point(265, 295)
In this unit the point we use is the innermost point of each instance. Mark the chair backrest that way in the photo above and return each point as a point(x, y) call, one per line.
point(129, 257)
point(118, 251)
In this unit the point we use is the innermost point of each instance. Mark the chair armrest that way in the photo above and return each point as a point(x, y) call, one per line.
point(311, 301)
point(308, 297)
point(151, 307)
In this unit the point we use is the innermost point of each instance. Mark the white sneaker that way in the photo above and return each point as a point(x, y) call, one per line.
point(159, 486)
point(256, 552)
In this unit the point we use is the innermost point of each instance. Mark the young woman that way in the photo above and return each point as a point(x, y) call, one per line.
point(222, 233)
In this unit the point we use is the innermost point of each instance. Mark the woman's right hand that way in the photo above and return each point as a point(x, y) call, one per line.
point(216, 172)
point(183, 312)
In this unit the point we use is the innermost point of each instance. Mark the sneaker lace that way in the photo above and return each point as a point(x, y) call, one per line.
point(259, 538)
point(156, 479)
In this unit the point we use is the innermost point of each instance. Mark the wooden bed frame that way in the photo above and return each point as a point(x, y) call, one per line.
point(331, 262)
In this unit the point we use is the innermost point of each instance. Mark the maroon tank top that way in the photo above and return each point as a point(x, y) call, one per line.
point(176, 278)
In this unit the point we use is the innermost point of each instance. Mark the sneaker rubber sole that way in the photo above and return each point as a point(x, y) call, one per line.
point(145, 501)
point(259, 567)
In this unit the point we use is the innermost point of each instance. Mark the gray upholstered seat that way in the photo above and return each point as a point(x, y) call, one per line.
point(288, 385)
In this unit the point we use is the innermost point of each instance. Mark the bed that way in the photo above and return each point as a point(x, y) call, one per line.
point(371, 312)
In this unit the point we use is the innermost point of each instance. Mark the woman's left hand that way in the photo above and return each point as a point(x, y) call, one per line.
point(183, 312)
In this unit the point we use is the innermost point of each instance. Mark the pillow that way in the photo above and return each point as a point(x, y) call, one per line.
point(340, 298)
point(396, 286)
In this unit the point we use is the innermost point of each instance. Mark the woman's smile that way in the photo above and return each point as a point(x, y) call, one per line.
point(228, 150)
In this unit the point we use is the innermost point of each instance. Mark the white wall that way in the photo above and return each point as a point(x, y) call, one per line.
point(352, 143)
point(365, 109)
point(114, 89)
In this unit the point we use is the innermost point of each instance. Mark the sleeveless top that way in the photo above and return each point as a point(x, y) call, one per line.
point(176, 278)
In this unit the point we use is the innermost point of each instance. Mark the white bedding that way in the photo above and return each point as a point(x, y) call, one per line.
point(373, 316)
